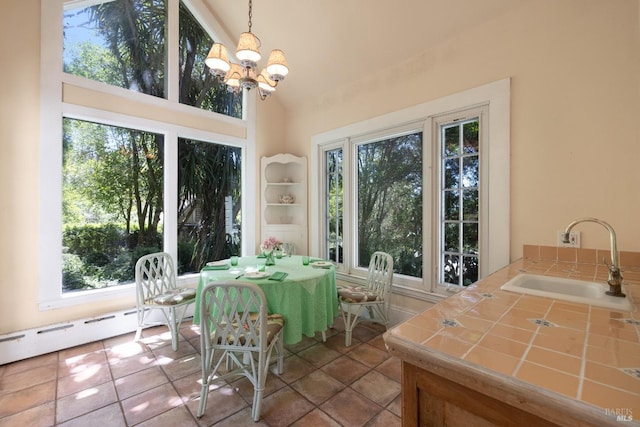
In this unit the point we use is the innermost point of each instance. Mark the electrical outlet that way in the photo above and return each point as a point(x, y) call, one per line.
point(574, 239)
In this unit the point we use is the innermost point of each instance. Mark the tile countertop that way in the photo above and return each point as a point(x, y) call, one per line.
point(578, 364)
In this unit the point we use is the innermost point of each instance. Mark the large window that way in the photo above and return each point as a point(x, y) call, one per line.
point(123, 43)
point(334, 205)
point(416, 184)
point(141, 167)
point(389, 197)
point(459, 202)
point(209, 183)
point(112, 202)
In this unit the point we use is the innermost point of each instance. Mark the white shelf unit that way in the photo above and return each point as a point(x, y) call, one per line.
point(285, 174)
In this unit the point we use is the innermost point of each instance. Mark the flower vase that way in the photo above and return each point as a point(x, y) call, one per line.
point(270, 260)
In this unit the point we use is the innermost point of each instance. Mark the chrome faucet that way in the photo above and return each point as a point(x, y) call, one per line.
point(615, 277)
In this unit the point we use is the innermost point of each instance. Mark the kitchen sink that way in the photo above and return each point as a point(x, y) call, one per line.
point(580, 291)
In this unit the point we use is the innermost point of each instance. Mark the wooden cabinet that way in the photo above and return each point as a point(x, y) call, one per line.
point(432, 400)
point(284, 199)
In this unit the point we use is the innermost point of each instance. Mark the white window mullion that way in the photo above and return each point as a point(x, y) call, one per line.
point(172, 84)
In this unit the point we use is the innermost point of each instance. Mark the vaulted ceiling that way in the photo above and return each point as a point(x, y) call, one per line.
point(334, 42)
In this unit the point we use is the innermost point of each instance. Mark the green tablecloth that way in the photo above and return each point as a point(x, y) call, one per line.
point(307, 297)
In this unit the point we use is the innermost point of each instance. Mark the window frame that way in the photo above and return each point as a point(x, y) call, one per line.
point(495, 98)
point(66, 95)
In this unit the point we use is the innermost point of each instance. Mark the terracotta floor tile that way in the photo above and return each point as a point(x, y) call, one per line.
point(284, 407)
point(385, 419)
point(179, 416)
point(368, 355)
point(26, 379)
point(244, 387)
point(319, 355)
point(336, 342)
point(377, 387)
point(27, 398)
point(182, 367)
point(31, 363)
point(350, 408)
point(601, 373)
point(37, 416)
point(395, 407)
point(392, 368)
point(85, 401)
point(110, 415)
point(148, 404)
point(140, 381)
point(295, 367)
point(72, 365)
point(157, 386)
point(124, 366)
point(345, 369)
point(88, 376)
point(317, 386)
point(305, 343)
point(363, 333)
point(222, 402)
point(316, 418)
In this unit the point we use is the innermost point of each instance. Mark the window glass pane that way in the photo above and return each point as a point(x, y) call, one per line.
point(470, 238)
point(334, 205)
point(389, 186)
point(112, 202)
point(119, 42)
point(451, 269)
point(470, 205)
point(452, 237)
point(209, 221)
point(459, 226)
point(451, 205)
point(452, 173)
point(470, 273)
point(451, 141)
point(470, 140)
point(198, 87)
point(470, 171)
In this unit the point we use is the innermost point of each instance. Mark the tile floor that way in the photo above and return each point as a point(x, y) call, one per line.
point(117, 382)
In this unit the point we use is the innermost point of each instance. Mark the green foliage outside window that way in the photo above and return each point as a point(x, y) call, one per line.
point(113, 177)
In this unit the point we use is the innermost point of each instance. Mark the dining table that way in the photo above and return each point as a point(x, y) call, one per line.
point(305, 295)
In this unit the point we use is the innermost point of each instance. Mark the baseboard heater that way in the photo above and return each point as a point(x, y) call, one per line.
point(42, 340)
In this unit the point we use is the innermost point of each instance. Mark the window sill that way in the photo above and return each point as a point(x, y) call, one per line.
point(398, 289)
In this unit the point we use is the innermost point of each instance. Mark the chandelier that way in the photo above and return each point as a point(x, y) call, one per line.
point(245, 75)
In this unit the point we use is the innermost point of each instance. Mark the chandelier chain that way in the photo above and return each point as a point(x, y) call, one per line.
point(250, 13)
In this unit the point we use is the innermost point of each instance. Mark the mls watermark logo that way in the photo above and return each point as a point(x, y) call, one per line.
point(620, 414)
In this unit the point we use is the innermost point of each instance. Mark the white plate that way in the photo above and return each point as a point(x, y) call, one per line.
point(256, 275)
point(217, 263)
point(321, 264)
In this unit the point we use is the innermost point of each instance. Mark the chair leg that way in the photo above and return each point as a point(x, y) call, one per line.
point(173, 328)
point(280, 355)
point(140, 323)
point(350, 321)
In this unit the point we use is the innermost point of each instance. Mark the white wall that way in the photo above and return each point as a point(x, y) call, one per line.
point(575, 138)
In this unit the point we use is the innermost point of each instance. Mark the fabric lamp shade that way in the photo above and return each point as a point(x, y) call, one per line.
point(248, 48)
point(277, 66)
point(218, 59)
